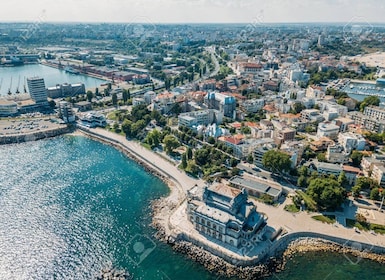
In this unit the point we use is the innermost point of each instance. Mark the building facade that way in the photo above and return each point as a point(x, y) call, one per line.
point(37, 90)
point(225, 215)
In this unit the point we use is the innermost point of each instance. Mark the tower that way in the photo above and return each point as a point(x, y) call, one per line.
point(37, 90)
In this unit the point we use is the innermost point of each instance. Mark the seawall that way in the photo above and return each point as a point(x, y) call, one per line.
point(32, 136)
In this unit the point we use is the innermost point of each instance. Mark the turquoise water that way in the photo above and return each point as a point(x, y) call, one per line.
point(9, 77)
point(330, 266)
point(71, 206)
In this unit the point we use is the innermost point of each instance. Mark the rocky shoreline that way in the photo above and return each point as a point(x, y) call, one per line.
point(162, 207)
point(304, 245)
point(211, 262)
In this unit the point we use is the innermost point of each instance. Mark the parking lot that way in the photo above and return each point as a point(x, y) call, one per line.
point(28, 125)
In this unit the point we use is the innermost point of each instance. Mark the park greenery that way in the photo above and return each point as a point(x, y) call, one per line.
point(276, 161)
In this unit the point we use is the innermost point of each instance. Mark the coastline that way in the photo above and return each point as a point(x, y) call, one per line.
point(163, 208)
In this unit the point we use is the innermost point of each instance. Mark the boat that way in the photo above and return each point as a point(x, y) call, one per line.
point(70, 70)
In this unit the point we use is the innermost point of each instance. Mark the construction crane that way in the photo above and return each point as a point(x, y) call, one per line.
point(18, 84)
point(10, 86)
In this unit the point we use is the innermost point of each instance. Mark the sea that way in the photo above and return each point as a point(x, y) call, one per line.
point(13, 78)
point(71, 206)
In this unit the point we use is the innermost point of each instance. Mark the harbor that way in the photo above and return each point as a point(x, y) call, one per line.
point(13, 80)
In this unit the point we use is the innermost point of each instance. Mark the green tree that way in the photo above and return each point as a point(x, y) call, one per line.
point(375, 194)
point(302, 181)
point(326, 192)
point(321, 157)
point(152, 138)
point(126, 95)
point(370, 100)
point(189, 153)
point(356, 158)
point(90, 95)
point(126, 127)
point(356, 190)
point(211, 140)
point(114, 99)
point(170, 143)
point(184, 161)
point(276, 161)
point(250, 158)
point(342, 180)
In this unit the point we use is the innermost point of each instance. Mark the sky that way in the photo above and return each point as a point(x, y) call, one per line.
point(193, 11)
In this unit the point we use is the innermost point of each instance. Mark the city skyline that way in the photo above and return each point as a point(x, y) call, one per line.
point(194, 11)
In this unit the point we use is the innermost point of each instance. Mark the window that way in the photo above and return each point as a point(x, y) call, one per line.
point(208, 224)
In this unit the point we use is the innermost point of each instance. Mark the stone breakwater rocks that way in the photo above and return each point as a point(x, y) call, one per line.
point(304, 245)
point(110, 273)
point(220, 267)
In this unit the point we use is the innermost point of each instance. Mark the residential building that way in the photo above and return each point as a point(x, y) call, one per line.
point(378, 174)
point(343, 123)
point(352, 141)
point(351, 173)
point(285, 134)
point(328, 130)
point(337, 154)
point(253, 105)
point(367, 163)
point(321, 144)
point(66, 112)
point(326, 168)
point(222, 102)
point(312, 115)
point(202, 117)
point(369, 123)
point(226, 215)
point(260, 151)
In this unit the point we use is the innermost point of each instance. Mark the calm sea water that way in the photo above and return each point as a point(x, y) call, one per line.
point(10, 76)
point(71, 206)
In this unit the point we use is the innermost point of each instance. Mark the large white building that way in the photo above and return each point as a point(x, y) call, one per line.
point(7, 108)
point(328, 130)
point(225, 214)
point(352, 141)
point(202, 117)
point(222, 102)
point(37, 90)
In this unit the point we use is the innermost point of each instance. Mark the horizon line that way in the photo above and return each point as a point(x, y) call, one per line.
point(196, 23)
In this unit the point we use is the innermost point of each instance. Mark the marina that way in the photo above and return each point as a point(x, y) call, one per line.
point(13, 80)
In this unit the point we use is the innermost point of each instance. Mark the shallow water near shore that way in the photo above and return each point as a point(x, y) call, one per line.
point(70, 206)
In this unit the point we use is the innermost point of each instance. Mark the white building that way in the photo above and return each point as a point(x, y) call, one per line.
point(328, 130)
point(202, 117)
point(337, 154)
point(226, 215)
point(93, 119)
point(7, 108)
point(352, 141)
point(37, 90)
point(253, 105)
